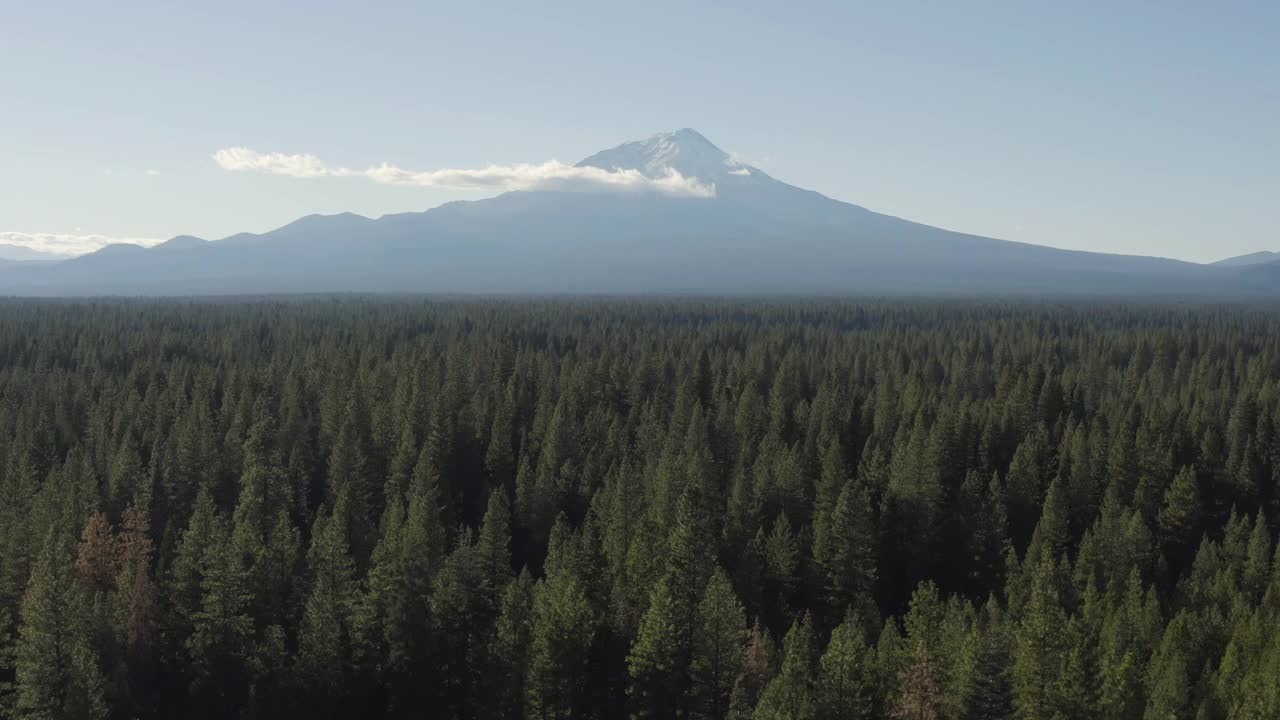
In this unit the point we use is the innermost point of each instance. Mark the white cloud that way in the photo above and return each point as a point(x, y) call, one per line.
point(744, 171)
point(552, 175)
point(153, 172)
point(68, 244)
point(242, 158)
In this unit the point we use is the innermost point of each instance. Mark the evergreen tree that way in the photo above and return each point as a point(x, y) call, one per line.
point(655, 686)
point(510, 650)
point(1122, 694)
point(782, 562)
point(57, 669)
point(1257, 563)
point(494, 544)
point(1051, 536)
point(992, 696)
point(789, 695)
point(719, 648)
point(562, 631)
point(221, 632)
point(1169, 682)
point(1076, 692)
point(1025, 486)
point(1039, 646)
point(459, 632)
point(832, 481)
point(191, 563)
point(349, 491)
point(1178, 523)
point(326, 631)
point(845, 679)
point(393, 616)
point(847, 552)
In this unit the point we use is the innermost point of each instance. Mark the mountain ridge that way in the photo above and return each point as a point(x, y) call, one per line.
point(13, 253)
point(755, 235)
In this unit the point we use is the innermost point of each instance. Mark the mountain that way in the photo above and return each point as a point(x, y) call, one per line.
point(1258, 258)
point(684, 151)
point(21, 254)
point(750, 234)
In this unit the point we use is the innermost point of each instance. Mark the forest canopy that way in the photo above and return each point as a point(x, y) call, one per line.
point(804, 509)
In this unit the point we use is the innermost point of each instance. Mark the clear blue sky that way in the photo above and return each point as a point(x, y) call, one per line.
point(1137, 127)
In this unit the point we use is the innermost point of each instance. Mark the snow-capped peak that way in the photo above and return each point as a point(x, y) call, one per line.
point(684, 151)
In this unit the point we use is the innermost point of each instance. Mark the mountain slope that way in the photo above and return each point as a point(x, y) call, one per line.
point(756, 235)
point(1257, 258)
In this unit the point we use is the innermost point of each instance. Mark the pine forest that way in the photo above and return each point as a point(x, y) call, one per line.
point(789, 509)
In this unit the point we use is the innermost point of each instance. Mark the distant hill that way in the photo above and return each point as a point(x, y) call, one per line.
point(1257, 258)
point(755, 235)
point(182, 242)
